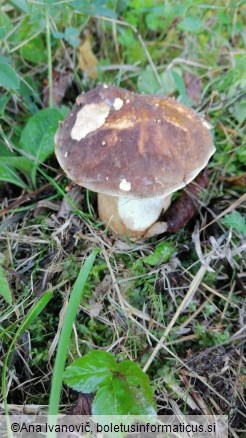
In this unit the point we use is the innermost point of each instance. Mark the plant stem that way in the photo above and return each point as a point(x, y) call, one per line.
point(48, 44)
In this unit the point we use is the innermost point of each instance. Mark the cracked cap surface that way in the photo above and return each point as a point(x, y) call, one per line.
point(125, 144)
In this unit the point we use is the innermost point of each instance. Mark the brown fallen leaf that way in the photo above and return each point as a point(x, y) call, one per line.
point(181, 211)
point(74, 193)
point(61, 82)
point(83, 404)
point(87, 59)
point(239, 180)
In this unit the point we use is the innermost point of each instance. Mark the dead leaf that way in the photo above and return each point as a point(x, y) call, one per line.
point(83, 404)
point(239, 180)
point(183, 209)
point(44, 205)
point(75, 195)
point(193, 88)
point(61, 82)
point(87, 59)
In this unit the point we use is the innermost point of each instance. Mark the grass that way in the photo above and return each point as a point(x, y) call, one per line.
point(182, 320)
point(65, 335)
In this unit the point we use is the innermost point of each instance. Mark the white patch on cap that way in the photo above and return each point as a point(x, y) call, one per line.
point(118, 103)
point(89, 119)
point(125, 185)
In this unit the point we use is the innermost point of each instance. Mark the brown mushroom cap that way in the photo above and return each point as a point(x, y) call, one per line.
point(125, 144)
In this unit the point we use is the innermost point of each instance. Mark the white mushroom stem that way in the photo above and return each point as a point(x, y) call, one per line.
point(131, 217)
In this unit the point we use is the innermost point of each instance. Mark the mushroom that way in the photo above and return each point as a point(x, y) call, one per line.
point(135, 151)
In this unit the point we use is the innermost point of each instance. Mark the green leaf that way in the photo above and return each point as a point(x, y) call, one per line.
point(239, 111)
point(162, 254)
point(148, 84)
point(71, 35)
point(236, 221)
point(58, 35)
point(34, 51)
point(29, 87)
point(20, 163)
point(3, 102)
point(37, 137)
point(155, 18)
point(8, 174)
point(21, 5)
point(191, 24)
point(139, 388)
point(241, 153)
point(129, 393)
point(4, 150)
point(91, 372)
point(5, 24)
point(4, 59)
point(9, 162)
point(8, 77)
point(122, 388)
point(4, 287)
point(96, 7)
point(236, 87)
point(181, 88)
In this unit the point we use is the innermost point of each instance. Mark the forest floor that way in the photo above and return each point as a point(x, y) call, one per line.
point(189, 285)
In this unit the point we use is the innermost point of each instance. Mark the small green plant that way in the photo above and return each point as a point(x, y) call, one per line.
point(162, 254)
point(209, 338)
point(5, 290)
point(37, 144)
point(236, 221)
point(37, 137)
point(121, 388)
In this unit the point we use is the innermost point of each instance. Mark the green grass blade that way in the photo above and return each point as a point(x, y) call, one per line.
point(66, 331)
point(49, 52)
